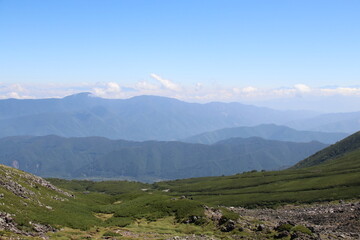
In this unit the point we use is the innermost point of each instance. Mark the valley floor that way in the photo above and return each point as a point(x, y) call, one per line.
point(324, 221)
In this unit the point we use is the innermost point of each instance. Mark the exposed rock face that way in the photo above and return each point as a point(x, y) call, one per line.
point(7, 223)
point(8, 183)
point(43, 228)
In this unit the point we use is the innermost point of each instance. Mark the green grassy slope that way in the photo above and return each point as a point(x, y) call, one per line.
point(337, 178)
point(32, 200)
point(107, 187)
point(341, 148)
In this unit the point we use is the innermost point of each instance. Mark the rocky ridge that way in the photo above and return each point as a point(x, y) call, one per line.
point(28, 187)
point(9, 178)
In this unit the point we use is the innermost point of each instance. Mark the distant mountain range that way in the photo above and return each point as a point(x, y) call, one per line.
point(332, 122)
point(266, 131)
point(153, 118)
point(139, 118)
point(96, 157)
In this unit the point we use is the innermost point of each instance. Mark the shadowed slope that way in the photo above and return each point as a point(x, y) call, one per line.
point(337, 150)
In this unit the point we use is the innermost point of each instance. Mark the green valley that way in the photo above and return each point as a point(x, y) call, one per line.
point(179, 120)
point(243, 205)
point(334, 174)
point(101, 158)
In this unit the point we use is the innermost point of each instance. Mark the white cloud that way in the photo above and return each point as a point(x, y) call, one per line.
point(167, 84)
point(108, 90)
point(250, 89)
point(113, 87)
point(14, 91)
point(144, 85)
point(16, 88)
point(198, 86)
point(346, 91)
point(198, 92)
point(302, 88)
point(14, 95)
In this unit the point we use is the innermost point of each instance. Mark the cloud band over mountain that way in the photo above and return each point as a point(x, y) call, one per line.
point(157, 85)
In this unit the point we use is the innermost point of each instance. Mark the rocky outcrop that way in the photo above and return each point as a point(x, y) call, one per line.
point(213, 213)
point(8, 183)
point(29, 190)
point(324, 221)
point(8, 223)
point(10, 180)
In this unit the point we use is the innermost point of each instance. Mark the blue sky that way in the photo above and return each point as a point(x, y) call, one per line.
point(192, 44)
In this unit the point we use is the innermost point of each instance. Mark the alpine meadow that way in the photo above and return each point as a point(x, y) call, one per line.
point(180, 120)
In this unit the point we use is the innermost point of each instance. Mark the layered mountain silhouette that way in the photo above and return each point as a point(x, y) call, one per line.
point(138, 118)
point(266, 131)
point(96, 157)
point(348, 122)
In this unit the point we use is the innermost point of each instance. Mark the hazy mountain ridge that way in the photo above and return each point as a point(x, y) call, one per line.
point(54, 156)
point(348, 122)
point(266, 131)
point(138, 118)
